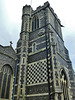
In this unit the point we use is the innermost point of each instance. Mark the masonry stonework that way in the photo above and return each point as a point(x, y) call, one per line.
point(43, 70)
point(43, 56)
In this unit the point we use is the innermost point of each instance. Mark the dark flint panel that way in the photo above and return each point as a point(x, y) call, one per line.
point(61, 60)
point(37, 41)
point(71, 77)
point(69, 66)
point(73, 90)
point(29, 50)
point(70, 72)
point(37, 89)
point(38, 98)
point(40, 46)
point(72, 84)
point(42, 21)
point(38, 56)
point(33, 35)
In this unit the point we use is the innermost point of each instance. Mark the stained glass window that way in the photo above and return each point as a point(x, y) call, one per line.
point(5, 81)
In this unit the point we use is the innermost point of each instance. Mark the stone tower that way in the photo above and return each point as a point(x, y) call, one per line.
point(43, 60)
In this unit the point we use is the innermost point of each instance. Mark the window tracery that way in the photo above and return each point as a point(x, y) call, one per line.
point(35, 23)
point(5, 81)
point(64, 85)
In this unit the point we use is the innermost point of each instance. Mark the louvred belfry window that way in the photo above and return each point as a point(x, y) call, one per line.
point(35, 23)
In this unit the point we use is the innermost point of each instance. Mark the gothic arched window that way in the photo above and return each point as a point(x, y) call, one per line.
point(34, 47)
point(35, 23)
point(5, 81)
point(64, 85)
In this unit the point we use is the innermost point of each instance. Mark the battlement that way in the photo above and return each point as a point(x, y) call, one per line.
point(26, 10)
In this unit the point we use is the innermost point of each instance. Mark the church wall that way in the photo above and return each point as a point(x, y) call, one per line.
point(7, 70)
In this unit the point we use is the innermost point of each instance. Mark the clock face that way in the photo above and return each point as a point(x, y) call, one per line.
point(41, 32)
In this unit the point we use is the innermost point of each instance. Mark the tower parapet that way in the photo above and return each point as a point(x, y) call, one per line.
point(26, 9)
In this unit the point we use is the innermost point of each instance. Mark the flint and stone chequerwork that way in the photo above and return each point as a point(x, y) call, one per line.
point(43, 69)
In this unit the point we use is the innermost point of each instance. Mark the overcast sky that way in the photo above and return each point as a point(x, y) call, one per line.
point(10, 21)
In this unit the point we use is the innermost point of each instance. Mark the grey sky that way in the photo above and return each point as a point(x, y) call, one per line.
point(10, 21)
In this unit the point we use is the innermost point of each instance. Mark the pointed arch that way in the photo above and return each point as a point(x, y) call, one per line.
point(34, 47)
point(35, 23)
point(7, 67)
point(6, 76)
point(64, 84)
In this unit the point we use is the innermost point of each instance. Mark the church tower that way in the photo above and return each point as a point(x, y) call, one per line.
point(43, 60)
